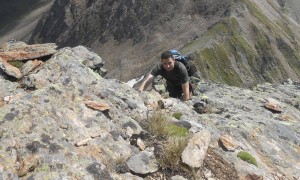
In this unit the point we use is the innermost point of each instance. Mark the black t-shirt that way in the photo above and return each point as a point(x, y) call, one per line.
point(177, 76)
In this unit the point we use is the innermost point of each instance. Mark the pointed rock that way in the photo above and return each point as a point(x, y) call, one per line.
point(97, 106)
point(129, 131)
point(227, 142)
point(83, 142)
point(193, 155)
point(23, 51)
point(165, 103)
point(11, 45)
point(27, 165)
point(273, 105)
point(9, 69)
point(140, 144)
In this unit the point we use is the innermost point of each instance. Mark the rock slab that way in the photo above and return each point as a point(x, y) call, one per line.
point(193, 155)
point(143, 163)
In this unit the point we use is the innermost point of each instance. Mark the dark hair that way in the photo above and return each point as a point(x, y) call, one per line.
point(166, 55)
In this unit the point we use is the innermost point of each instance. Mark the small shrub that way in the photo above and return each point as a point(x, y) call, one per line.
point(175, 139)
point(171, 153)
point(247, 157)
point(121, 160)
point(157, 124)
point(177, 115)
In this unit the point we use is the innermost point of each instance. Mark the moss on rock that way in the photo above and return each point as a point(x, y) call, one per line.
point(247, 157)
point(17, 64)
point(177, 115)
point(175, 130)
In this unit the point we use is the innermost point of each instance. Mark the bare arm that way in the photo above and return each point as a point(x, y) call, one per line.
point(146, 82)
point(186, 91)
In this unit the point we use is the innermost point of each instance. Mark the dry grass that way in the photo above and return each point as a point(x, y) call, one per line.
point(157, 124)
point(171, 155)
point(174, 139)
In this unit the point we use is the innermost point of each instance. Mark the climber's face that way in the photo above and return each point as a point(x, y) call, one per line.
point(168, 64)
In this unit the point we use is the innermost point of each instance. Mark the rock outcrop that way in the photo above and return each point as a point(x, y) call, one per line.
point(20, 51)
point(63, 120)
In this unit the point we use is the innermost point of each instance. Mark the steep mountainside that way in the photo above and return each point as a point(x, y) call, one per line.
point(19, 18)
point(237, 42)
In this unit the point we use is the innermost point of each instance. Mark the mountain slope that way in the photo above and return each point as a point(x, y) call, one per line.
point(237, 42)
point(19, 18)
point(129, 35)
point(255, 44)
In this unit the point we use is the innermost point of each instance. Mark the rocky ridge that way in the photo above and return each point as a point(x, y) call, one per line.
point(62, 119)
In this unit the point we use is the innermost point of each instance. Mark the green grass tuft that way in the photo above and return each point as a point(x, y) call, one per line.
point(158, 125)
point(247, 157)
point(177, 115)
point(175, 130)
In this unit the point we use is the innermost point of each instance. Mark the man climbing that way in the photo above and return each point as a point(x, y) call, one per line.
point(174, 72)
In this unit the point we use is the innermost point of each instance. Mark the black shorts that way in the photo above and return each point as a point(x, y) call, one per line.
point(176, 91)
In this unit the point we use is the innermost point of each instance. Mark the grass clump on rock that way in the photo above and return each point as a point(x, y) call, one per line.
point(247, 157)
point(173, 138)
point(171, 153)
point(159, 126)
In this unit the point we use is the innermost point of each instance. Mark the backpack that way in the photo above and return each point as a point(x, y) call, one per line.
point(185, 61)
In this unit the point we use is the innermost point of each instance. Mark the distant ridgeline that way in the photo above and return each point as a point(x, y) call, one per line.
point(13, 11)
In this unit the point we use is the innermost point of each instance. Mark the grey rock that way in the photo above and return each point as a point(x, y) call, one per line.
point(228, 142)
point(29, 66)
point(65, 66)
point(9, 69)
point(21, 51)
point(143, 163)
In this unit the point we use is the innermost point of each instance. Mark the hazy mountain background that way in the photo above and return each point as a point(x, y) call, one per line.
point(18, 18)
point(238, 42)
